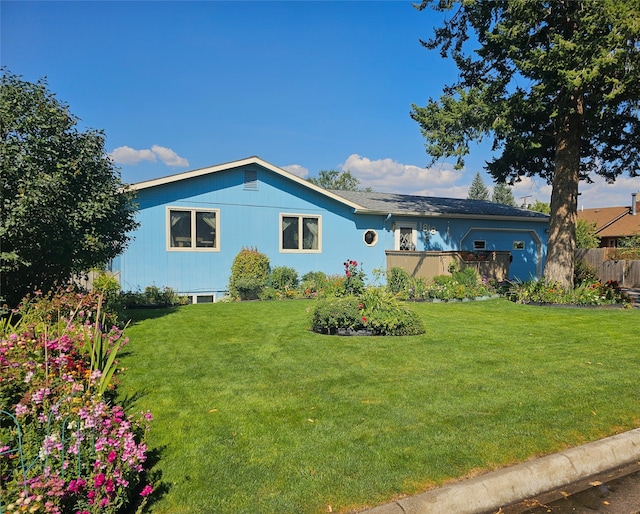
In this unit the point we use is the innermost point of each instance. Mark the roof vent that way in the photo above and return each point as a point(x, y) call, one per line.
point(251, 179)
point(634, 201)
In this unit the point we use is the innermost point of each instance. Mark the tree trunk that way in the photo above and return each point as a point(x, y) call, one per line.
point(564, 199)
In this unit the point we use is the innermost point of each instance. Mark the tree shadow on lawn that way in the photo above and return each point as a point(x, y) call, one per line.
point(135, 315)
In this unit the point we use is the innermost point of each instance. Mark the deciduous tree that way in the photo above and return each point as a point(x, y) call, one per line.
point(64, 207)
point(334, 179)
point(556, 83)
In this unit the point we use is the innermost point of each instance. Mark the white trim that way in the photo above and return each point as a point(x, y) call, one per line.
point(414, 233)
point(375, 237)
point(237, 164)
point(191, 248)
point(300, 217)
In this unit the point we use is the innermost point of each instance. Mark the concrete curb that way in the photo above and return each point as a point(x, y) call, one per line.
point(509, 486)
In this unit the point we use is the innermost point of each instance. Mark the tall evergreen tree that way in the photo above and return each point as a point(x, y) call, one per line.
point(557, 85)
point(477, 190)
point(502, 194)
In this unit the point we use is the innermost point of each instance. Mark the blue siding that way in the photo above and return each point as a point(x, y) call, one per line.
point(248, 218)
point(251, 218)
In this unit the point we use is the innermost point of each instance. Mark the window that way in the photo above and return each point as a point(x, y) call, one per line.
point(300, 233)
point(518, 245)
point(405, 235)
point(479, 245)
point(190, 229)
point(370, 237)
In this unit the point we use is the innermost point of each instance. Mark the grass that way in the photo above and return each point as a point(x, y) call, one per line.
point(253, 413)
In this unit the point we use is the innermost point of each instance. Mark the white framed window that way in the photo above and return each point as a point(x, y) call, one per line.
point(479, 245)
point(405, 236)
point(300, 233)
point(370, 237)
point(193, 229)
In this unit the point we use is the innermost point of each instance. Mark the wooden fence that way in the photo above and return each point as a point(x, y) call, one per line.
point(611, 264)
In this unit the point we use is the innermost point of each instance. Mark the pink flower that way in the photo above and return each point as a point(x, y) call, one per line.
point(112, 456)
point(364, 320)
point(146, 491)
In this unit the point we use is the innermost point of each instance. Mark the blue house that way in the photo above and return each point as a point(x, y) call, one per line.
point(193, 224)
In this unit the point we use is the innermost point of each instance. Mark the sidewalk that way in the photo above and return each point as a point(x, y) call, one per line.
point(507, 490)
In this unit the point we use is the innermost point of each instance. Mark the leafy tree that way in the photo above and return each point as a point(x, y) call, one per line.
point(557, 85)
point(586, 236)
point(502, 194)
point(64, 208)
point(477, 190)
point(629, 241)
point(334, 179)
point(539, 206)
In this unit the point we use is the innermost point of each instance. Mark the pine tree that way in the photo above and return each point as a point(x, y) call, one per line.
point(478, 191)
point(502, 194)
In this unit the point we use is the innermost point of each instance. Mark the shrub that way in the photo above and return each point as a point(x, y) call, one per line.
point(283, 278)
point(153, 296)
point(332, 313)
point(313, 283)
point(583, 272)
point(376, 310)
point(589, 292)
point(249, 274)
point(382, 314)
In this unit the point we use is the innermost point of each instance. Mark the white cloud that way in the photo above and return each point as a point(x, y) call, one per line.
point(387, 175)
point(168, 156)
point(296, 169)
point(128, 155)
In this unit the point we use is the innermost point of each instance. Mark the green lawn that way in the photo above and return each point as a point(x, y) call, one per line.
point(253, 413)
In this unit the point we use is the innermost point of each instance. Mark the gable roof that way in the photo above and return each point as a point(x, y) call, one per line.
point(370, 203)
point(237, 164)
point(613, 221)
point(415, 205)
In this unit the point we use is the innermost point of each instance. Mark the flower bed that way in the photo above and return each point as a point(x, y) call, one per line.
point(65, 446)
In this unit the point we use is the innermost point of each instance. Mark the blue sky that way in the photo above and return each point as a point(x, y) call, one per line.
point(305, 85)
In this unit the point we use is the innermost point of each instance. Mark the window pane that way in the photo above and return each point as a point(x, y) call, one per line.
point(290, 233)
point(205, 229)
point(310, 234)
point(180, 229)
point(406, 238)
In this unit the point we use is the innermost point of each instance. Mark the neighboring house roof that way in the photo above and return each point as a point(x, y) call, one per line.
point(613, 221)
point(371, 203)
point(414, 205)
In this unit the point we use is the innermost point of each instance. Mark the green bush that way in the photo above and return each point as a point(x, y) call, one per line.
point(332, 313)
point(153, 296)
point(283, 278)
point(589, 292)
point(583, 272)
point(377, 311)
point(249, 274)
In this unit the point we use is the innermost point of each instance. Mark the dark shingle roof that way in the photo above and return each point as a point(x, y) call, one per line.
point(414, 205)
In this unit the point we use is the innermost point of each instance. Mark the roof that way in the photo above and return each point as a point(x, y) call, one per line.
point(415, 205)
point(231, 165)
point(613, 221)
point(370, 203)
